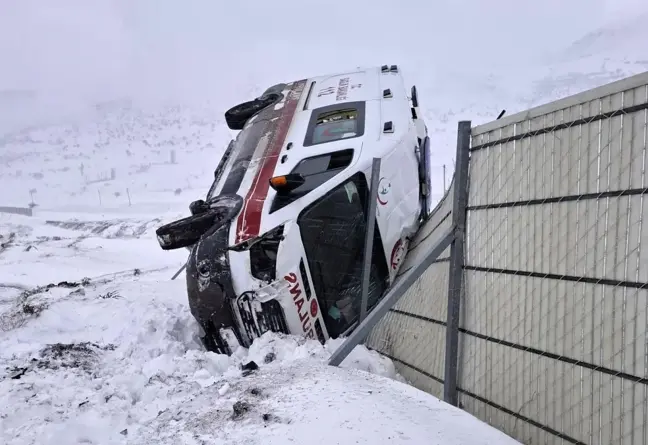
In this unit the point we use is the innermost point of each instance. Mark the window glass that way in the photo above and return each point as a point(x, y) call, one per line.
point(335, 125)
point(333, 232)
point(315, 171)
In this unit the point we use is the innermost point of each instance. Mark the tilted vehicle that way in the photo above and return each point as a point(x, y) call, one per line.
point(278, 242)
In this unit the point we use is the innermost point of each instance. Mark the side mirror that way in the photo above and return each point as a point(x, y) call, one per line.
point(287, 183)
point(188, 231)
point(198, 207)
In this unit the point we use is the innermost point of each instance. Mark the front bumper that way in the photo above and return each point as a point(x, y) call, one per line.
point(214, 304)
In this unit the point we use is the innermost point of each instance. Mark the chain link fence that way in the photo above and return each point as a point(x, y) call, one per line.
point(551, 286)
point(556, 273)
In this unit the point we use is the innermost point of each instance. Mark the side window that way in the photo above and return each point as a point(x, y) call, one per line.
point(315, 171)
point(333, 231)
point(335, 122)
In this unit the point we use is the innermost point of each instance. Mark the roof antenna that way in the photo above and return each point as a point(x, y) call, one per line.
point(500, 115)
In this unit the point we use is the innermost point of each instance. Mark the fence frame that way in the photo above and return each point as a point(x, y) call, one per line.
point(457, 251)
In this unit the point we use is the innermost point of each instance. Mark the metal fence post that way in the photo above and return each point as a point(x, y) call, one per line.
point(369, 236)
point(455, 280)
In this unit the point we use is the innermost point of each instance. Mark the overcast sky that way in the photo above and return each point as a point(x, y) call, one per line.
point(167, 49)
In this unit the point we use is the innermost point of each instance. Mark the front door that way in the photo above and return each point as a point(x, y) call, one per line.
point(333, 231)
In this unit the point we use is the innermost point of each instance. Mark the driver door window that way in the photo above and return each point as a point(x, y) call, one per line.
point(333, 232)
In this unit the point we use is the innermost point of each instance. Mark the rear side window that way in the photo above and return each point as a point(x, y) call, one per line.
point(335, 122)
point(316, 171)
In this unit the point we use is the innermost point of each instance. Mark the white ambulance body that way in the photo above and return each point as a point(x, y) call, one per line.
point(278, 242)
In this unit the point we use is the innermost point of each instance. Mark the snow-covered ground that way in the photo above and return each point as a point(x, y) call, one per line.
point(111, 122)
point(97, 346)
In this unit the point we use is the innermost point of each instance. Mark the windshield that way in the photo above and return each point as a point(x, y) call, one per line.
point(238, 154)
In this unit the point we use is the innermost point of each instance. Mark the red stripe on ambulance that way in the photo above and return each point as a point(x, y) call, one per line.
point(249, 220)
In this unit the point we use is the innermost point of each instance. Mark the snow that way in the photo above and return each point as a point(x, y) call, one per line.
point(113, 124)
point(111, 356)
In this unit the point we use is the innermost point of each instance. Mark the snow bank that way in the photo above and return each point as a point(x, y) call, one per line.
point(86, 361)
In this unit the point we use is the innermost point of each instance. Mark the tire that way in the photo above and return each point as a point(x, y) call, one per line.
point(188, 231)
point(237, 116)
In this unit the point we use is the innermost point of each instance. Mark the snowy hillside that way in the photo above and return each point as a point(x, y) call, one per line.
point(159, 55)
point(610, 51)
point(126, 157)
point(604, 55)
